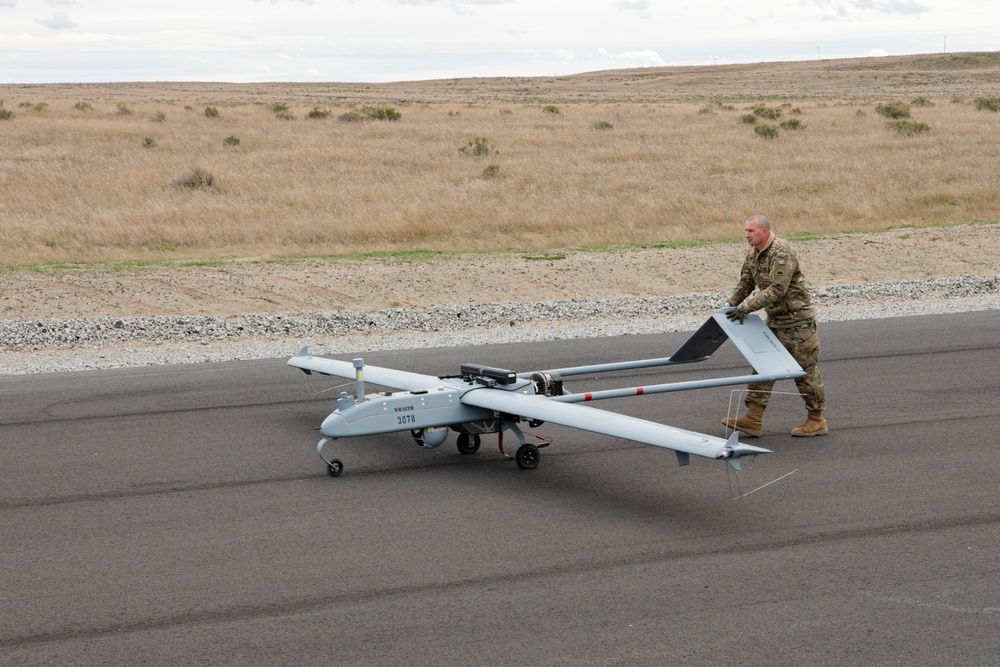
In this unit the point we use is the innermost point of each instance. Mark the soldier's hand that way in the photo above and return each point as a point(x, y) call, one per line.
point(736, 315)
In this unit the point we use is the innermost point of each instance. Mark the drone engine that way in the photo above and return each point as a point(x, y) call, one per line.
point(547, 383)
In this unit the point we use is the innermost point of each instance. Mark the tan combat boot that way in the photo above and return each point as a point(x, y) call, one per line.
point(814, 425)
point(752, 423)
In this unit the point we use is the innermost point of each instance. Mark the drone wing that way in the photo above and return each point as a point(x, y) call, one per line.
point(611, 423)
point(385, 377)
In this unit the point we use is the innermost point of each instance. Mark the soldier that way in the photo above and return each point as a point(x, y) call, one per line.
point(772, 267)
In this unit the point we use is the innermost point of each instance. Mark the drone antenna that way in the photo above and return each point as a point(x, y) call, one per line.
point(359, 365)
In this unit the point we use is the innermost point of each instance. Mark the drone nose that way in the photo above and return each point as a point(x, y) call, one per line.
point(334, 426)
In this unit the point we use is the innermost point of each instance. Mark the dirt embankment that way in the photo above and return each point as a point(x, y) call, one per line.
point(242, 287)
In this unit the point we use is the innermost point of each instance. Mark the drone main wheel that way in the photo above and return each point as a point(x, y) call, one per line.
point(527, 456)
point(335, 467)
point(468, 444)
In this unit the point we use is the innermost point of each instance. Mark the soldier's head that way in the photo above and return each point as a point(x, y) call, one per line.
point(757, 229)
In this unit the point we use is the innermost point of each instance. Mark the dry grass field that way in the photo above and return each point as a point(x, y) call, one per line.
point(93, 172)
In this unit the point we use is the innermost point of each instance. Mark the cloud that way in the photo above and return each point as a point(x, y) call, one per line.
point(454, 4)
point(8, 3)
point(639, 6)
point(844, 8)
point(638, 58)
point(274, 2)
point(59, 21)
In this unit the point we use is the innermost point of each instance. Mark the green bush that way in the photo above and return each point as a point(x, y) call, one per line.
point(211, 112)
point(792, 124)
point(909, 127)
point(6, 114)
point(278, 107)
point(281, 115)
point(478, 147)
point(603, 125)
point(749, 119)
point(382, 113)
point(83, 106)
point(921, 102)
point(148, 142)
point(987, 103)
point(122, 110)
point(551, 108)
point(318, 113)
point(231, 141)
point(762, 111)
point(893, 109)
point(766, 131)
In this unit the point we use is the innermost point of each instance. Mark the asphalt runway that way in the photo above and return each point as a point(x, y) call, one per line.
point(179, 515)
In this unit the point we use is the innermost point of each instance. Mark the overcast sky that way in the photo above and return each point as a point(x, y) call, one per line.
point(50, 41)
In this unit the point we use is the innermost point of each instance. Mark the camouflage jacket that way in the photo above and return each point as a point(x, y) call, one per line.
point(783, 293)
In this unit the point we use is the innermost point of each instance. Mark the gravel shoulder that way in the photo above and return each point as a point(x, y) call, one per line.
point(79, 319)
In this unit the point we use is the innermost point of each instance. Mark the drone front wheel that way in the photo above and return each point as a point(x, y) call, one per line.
point(527, 456)
point(335, 467)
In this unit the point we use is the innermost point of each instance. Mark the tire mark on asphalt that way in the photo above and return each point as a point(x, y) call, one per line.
point(239, 612)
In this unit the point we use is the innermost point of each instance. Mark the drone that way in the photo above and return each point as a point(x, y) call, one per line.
point(482, 400)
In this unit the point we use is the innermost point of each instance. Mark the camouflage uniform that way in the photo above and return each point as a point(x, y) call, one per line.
point(790, 315)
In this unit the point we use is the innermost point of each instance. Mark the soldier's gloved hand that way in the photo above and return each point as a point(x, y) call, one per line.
point(736, 315)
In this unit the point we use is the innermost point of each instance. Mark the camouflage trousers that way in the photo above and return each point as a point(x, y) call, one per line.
point(802, 343)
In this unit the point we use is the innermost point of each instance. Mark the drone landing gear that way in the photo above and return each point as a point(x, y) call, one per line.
point(527, 455)
point(333, 466)
point(468, 444)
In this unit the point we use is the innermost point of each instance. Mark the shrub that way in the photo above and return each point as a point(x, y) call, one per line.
point(83, 106)
point(792, 124)
point(122, 110)
point(603, 125)
point(762, 111)
point(198, 179)
point(370, 113)
point(382, 113)
point(550, 108)
point(318, 113)
point(766, 131)
point(6, 114)
point(893, 109)
point(909, 127)
point(352, 116)
point(921, 102)
point(278, 107)
point(478, 147)
point(211, 112)
point(281, 115)
point(148, 142)
point(491, 171)
point(158, 117)
point(231, 141)
point(987, 103)
point(749, 119)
